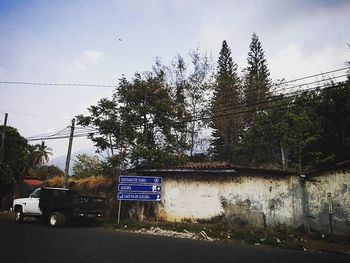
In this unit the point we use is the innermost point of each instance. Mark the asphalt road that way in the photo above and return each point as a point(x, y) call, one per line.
point(36, 242)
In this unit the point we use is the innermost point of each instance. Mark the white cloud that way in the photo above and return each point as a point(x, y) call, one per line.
point(91, 56)
point(87, 58)
point(293, 62)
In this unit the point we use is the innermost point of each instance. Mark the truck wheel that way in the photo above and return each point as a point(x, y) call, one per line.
point(57, 219)
point(19, 216)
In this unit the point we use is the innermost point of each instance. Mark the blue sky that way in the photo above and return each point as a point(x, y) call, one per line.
point(77, 42)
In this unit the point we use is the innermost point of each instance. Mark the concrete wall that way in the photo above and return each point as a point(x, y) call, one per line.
point(242, 200)
point(325, 190)
point(259, 200)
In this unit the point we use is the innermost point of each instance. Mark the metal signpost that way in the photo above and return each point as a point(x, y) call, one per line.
point(138, 188)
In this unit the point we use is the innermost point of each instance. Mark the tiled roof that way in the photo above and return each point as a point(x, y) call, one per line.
point(212, 167)
point(32, 182)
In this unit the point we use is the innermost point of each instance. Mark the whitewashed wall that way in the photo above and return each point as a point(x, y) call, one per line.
point(245, 199)
point(260, 200)
point(338, 185)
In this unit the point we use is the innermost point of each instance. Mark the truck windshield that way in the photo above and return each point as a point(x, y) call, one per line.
point(36, 193)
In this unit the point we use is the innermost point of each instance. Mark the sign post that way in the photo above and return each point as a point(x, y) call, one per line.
point(139, 188)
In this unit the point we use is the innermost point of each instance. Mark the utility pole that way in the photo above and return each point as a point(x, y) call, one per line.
point(2, 148)
point(66, 170)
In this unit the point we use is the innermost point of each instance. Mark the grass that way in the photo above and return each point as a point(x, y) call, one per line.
point(91, 183)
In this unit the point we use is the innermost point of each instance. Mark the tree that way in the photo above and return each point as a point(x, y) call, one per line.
point(256, 81)
point(226, 126)
point(40, 154)
point(197, 95)
point(85, 166)
point(180, 86)
point(137, 124)
point(45, 172)
point(333, 110)
point(112, 134)
point(16, 159)
point(148, 115)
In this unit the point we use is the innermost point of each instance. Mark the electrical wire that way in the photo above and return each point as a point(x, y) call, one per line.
point(57, 84)
point(34, 115)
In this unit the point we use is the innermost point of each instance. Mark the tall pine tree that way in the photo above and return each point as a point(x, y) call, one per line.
point(257, 81)
point(226, 98)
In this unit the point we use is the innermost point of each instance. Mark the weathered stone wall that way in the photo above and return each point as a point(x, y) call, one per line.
point(260, 201)
point(243, 200)
point(325, 190)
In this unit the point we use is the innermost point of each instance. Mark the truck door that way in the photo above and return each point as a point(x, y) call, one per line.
point(32, 206)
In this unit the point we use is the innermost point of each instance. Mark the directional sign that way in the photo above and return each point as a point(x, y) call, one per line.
point(138, 197)
point(139, 179)
point(139, 188)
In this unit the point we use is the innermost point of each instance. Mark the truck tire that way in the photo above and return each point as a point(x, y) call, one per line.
point(19, 215)
point(57, 219)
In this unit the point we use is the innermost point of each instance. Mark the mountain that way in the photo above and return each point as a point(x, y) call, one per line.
point(60, 161)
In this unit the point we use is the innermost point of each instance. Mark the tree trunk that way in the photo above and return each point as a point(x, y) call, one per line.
point(283, 158)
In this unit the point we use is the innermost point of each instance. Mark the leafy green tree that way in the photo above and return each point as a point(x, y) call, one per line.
point(147, 111)
point(44, 172)
point(85, 166)
point(256, 82)
point(112, 134)
point(226, 98)
point(40, 154)
point(333, 110)
point(180, 85)
point(137, 124)
point(16, 159)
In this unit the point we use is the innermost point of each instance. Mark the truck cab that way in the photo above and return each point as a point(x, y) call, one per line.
point(57, 205)
point(30, 205)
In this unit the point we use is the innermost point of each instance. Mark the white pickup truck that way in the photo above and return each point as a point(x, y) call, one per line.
point(57, 205)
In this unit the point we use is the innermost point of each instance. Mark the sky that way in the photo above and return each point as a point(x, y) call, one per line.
point(78, 42)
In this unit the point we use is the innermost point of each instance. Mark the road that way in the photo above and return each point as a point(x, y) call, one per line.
point(36, 242)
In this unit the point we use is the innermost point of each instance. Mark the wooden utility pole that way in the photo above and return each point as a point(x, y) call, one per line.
point(2, 148)
point(66, 170)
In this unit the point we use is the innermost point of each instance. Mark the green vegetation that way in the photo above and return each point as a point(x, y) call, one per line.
point(22, 159)
point(164, 117)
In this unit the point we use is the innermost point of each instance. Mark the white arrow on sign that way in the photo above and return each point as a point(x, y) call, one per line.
point(158, 197)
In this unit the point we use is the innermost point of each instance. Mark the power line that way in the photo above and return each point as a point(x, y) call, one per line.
point(62, 133)
point(47, 134)
point(330, 86)
point(61, 137)
point(312, 76)
point(57, 84)
point(266, 99)
point(114, 86)
point(275, 90)
point(83, 134)
point(35, 115)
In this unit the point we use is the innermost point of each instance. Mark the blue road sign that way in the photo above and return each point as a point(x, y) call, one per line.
point(138, 197)
point(139, 188)
point(139, 180)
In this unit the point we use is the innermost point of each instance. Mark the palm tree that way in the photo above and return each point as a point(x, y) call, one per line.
point(41, 153)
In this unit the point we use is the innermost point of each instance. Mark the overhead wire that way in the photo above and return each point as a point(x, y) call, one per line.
point(277, 96)
point(88, 130)
point(332, 85)
point(57, 84)
point(34, 115)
